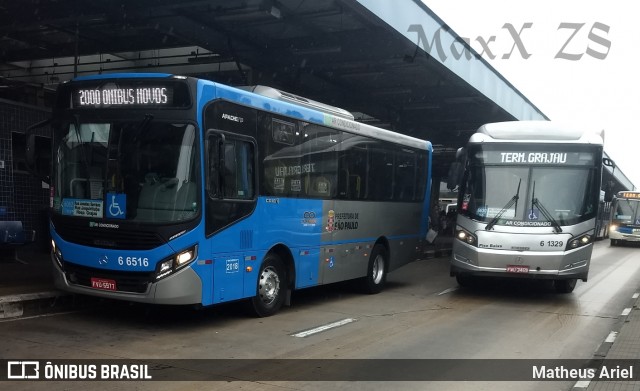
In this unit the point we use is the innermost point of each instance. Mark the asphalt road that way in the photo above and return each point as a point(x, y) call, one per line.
point(422, 314)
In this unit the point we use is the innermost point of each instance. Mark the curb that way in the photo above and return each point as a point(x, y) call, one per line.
point(34, 304)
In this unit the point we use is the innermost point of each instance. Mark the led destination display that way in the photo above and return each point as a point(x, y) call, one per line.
point(143, 96)
point(130, 95)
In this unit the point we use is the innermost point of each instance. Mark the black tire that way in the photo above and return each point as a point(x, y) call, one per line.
point(271, 289)
point(376, 270)
point(565, 286)
point(464, 280)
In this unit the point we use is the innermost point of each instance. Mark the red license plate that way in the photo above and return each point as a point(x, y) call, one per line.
point(517, 269)
point(101, 283)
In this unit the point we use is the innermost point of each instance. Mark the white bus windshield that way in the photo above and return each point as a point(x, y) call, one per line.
point(508, 192)
point(625, 211)
point(144, 171)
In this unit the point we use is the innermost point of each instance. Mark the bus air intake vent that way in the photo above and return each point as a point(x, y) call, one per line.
point(246, 239)
point(133, 282)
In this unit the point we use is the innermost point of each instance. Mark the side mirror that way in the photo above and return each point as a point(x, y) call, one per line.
point(38, 157)
point(30, 153)
point(608, 192)
point(456, 170)
point(608, 162)
point(455, 175)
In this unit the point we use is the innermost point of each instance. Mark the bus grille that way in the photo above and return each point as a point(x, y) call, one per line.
point(134, 282)
point(110, 238)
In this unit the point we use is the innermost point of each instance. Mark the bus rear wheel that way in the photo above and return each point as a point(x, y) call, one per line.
point(272, 287)
point(565, 286)
point(376, 271)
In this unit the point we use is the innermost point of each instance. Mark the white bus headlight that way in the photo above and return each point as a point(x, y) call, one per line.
point(466, 236)
point(580, 241)
point(175, 262)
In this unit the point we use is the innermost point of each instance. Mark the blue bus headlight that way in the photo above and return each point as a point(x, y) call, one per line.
point(579, 241)
point(466, 236)
point(175, 262)
point(613, 227)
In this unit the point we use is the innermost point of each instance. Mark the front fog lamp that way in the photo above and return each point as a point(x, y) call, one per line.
point(176, 262)
point(466, 236)
point(580, 241)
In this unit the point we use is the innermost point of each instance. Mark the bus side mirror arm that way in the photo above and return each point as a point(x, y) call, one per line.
point(456, 170)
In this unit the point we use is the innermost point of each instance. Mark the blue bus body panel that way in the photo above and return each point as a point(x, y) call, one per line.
point(208, 91)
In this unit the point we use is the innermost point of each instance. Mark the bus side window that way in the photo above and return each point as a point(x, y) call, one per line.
point(238, 172)
point(231, 168)
point(213, 182)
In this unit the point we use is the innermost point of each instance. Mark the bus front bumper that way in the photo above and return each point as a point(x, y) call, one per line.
point(183, 287)
point(559, 265)
point(615, 235)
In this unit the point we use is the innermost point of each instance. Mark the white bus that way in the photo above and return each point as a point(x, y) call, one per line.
point(625, 218)
point(527, 204)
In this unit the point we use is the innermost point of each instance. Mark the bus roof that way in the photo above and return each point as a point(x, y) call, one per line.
point(334, 118)
point(287, 104)
point(537, 132)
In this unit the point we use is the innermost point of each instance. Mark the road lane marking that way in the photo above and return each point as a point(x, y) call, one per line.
point(626, 311)
point(444, 292)
point(611, 337)
point(325, 327)
point(582, 384)
point(635, 295)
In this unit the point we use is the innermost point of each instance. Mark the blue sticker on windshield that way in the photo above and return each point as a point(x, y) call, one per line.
point(116, 206)
point(533, 214)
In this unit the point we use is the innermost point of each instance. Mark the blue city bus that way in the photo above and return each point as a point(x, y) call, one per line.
point(175, 190)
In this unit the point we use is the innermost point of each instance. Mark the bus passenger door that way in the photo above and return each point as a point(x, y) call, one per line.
point(231, 198)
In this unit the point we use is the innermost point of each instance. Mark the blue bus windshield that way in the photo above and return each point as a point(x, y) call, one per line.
point(139, 171)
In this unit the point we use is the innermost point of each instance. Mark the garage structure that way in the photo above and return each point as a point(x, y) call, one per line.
point(394, 64)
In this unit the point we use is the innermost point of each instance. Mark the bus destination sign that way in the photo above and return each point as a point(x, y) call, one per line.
point(122, 96)
point(629, 194)
point(536, 158)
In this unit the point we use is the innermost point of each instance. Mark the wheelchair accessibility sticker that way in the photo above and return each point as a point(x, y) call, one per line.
point(116, 206)
point(534, 214)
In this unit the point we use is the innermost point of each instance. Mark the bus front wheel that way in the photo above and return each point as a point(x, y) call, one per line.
point(377, 270)
point(565, 286)
point(272, 287)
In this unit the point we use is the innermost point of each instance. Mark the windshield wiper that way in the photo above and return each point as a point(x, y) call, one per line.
point(545, 212)
point(513, 200)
